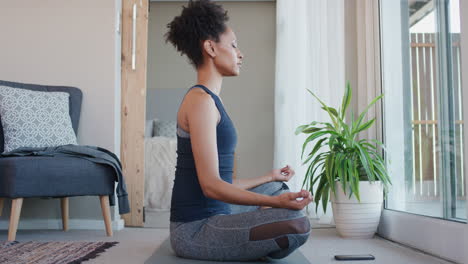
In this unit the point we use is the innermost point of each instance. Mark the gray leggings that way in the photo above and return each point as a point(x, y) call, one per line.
point(248, 233)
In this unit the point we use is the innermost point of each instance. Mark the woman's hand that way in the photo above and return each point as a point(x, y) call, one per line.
point(289, 200)
point(283, 174)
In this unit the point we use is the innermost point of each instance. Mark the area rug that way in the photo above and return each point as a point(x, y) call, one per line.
point(69, 252)
point(164, 254)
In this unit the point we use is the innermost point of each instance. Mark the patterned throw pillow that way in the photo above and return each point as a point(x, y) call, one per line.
point(35, 119)
point(164, 128)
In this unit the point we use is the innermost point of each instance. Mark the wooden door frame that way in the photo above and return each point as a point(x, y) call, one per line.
point(133, 104)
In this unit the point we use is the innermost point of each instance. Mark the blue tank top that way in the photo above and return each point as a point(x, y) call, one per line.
point(188, 202)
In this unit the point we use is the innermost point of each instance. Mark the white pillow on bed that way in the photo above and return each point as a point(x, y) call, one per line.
point(163, 128)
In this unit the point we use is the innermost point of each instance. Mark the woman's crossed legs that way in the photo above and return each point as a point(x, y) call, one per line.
point(248, 233)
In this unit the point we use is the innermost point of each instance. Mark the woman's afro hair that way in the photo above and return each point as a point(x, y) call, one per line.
point(199, 21)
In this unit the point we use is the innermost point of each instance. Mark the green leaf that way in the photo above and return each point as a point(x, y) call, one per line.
point(311, 130)
point(325, 195)
point(321, 186)
point(380, 174)
point(307, 175)
point(365, 160)
point(329, 171)
point(345, 127)
point(299, 129)
point(377, 142)
point(315, 170)
point(361, 116)
point(311, 138)
point(307, 160)
point(330, 127)
point(326, 108)
point(365, 126)
point(318, 177)
point(331, 110)
point(317, 147)
point(346, 100)
point(316, 164)
point(313, 123)
point(344, 171)
point(368, 145)
point(340, 170)
point(356, 183)
point(331, 141)
point(352, 178)
point(379, 164)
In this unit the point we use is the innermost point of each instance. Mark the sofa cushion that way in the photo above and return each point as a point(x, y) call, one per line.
point(35, 119)
point(37, 176)
point(75, 100)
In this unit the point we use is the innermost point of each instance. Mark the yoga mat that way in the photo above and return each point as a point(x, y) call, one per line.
point(165, 254)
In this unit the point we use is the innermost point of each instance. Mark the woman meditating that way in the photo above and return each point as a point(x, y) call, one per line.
point(212, 216)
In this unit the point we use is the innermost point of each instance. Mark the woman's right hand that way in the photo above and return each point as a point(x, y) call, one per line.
point(289, 200)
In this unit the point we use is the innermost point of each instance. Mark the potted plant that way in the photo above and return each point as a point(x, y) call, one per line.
point(350, 171)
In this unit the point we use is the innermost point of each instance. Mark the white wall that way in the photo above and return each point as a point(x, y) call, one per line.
point(65, 43)
point(248, 98)
point(72, 43)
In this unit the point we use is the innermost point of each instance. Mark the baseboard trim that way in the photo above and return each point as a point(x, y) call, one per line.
point(89, 224)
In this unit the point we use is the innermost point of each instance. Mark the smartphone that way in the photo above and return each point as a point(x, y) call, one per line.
point(354, 257)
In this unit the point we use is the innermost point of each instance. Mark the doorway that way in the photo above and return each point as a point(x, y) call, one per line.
point(248, 98)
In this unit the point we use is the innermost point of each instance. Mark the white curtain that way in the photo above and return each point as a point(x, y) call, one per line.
point(309, 55)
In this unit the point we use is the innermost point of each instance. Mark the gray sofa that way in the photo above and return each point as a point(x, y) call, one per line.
point(59, 177)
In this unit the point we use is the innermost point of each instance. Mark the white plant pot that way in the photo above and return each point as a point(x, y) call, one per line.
point(354, 219)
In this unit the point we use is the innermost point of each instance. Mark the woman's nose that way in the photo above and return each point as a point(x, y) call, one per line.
point(240, 56)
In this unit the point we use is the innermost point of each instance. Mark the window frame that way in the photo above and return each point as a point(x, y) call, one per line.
point(445, 238)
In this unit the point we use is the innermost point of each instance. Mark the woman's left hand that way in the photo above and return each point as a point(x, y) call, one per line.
point(283, 174)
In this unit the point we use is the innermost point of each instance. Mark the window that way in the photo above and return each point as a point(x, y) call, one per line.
point(422, 107)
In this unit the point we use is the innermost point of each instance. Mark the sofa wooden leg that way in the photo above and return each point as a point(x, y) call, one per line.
point(105, 207)
point(14, 218)
point(64, 206)
point(1, 205)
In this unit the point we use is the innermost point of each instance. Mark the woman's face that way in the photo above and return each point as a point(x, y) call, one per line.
point(228, 59)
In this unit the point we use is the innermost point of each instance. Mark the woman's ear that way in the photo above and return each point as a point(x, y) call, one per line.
point(209, 48)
